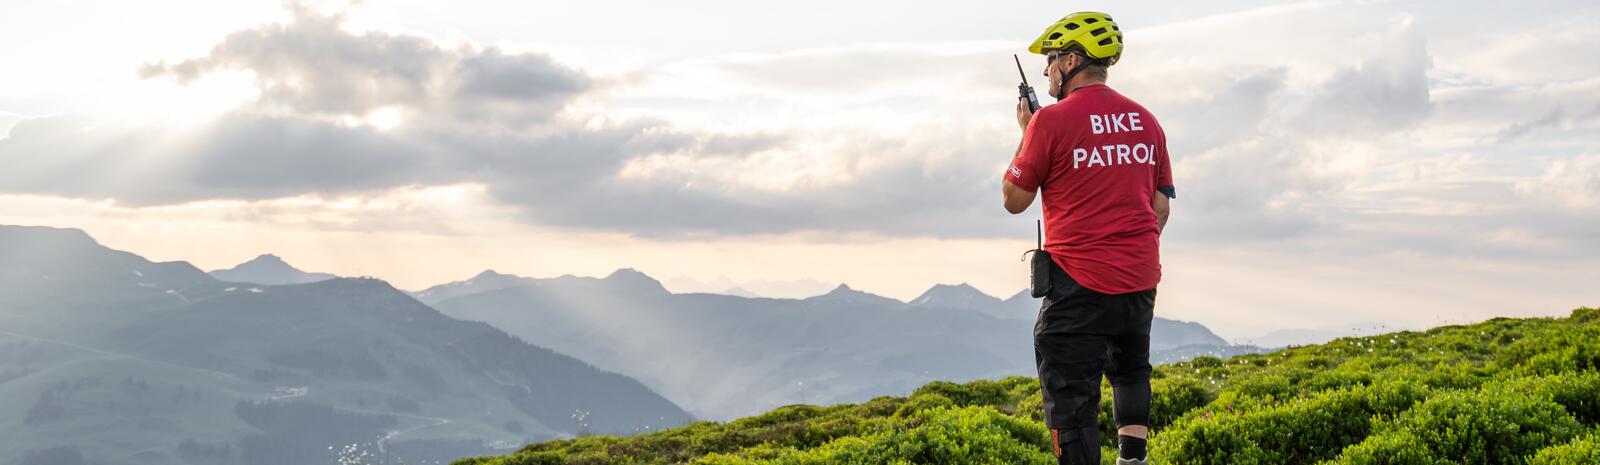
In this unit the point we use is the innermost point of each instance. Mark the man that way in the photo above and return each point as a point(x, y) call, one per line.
point(1101, 162)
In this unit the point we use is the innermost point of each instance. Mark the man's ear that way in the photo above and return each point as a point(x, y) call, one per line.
point(1066, 63)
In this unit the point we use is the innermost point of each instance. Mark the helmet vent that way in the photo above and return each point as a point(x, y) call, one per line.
point(1105, 41)
point(1072, 26)
point(1055, 36)
point(1114, 28)
point(1097, 32)
point(1090, 20)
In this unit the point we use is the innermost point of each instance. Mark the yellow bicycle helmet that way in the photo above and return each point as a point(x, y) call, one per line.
point(1099, 36)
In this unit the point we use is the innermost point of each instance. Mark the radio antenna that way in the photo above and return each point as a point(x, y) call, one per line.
point(1024, 90)
point(1019, 69)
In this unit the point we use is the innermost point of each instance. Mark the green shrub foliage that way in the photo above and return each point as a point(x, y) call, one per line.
point(1505, 391)
point(1585, 450)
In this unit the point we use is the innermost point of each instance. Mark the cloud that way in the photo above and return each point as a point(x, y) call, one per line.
point(313, 66)
point(252, 156)
point(451, 210)
point(238, 156)
point(1574, 182)
point(1591, 114)
point(1533, 50)
point(1519, 129)
point(1385, 93)
point(1261, 158)
point(306, 135)
point(1294, 140)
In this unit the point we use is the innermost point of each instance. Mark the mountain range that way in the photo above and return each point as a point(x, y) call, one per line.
point(724, 356)
point(108, 358)
point(111, 359)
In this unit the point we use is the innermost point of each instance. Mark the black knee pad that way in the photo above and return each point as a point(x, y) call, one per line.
point(1128, 374)
point(1076, 446)
point(1131, 404)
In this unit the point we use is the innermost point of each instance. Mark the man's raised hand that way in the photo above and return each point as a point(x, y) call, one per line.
point(1024, 113)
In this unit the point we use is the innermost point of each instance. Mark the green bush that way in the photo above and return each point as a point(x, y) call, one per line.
point(1170, 399)
point(923, 401)
point(1301, 430)
point(1582, 451)
point(1265, 385)
point(1401, 448)
point(1505, 391)
point(785, 414)
point(980, 392)
point(1464, 375)
point(974, 435)
point(1488, 427)
point(1578, 393)
point(1555, 351)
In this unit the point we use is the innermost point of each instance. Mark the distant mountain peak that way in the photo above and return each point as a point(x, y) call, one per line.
point(485, 281)
point(491, 274)
point(840, 292)
point(845, 292)
point(740, 292)
point(61, 257)
point(270, 270)
point(955, 296)
point(962, 288)
point(264, 262)
point(634, 279)
point(73, 236)
point(627, 272)
point(494, 278)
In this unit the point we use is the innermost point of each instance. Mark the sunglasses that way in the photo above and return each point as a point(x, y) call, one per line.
point(1050, 58)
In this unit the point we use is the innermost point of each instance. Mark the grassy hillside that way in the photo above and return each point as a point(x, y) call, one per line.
point(1506, 391)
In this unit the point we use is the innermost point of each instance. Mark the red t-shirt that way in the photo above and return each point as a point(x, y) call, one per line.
point(1099, 158)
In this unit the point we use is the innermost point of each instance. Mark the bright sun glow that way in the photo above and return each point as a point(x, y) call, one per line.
point(163, 100)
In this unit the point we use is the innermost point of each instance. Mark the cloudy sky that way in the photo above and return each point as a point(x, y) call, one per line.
point(1337, 162)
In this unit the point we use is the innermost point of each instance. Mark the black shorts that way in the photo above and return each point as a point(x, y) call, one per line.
point(1082, 335)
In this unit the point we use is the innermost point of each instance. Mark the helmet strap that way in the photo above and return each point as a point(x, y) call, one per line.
point(1066, 78)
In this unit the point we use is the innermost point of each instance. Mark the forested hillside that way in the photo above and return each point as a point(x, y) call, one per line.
point(1505, 391)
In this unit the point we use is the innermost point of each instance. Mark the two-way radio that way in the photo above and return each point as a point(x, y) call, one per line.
point(1039, 266)
point(1025, 90)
